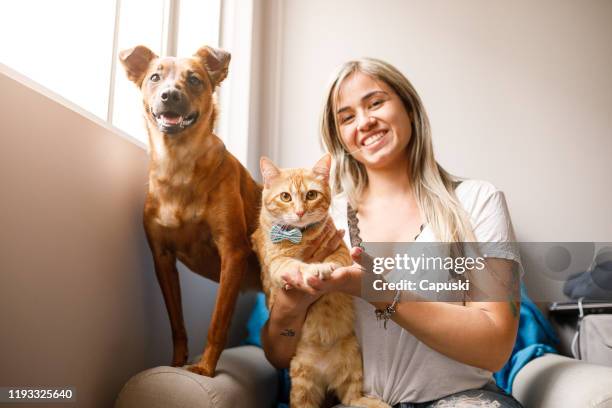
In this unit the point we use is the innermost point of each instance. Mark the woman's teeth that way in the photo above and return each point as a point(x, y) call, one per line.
point(373, 139)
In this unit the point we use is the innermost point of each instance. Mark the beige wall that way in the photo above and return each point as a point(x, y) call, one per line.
point(79, 302)
point(519, 93)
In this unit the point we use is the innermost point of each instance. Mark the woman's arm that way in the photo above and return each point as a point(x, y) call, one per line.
point(282, 331)
point(479, 334)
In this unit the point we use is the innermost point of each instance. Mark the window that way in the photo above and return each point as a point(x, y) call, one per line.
point(71, 46)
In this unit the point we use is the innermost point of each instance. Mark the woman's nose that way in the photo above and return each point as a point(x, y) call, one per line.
point(366, 122)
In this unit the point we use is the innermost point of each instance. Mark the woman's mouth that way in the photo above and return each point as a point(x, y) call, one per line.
point(373, 139)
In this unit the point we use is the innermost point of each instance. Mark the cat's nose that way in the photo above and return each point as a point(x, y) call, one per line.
point(299, 213)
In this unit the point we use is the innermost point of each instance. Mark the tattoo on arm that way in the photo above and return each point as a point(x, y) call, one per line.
point(288, 333)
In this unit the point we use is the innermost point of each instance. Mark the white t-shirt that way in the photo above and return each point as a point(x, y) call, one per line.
point(397, 366)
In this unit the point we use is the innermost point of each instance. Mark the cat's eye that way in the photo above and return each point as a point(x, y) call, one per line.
point(312, 194)
point(285, 196)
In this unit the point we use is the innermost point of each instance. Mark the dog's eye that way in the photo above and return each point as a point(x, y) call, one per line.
point(286, 197)
point(194, 80)
point(312, 194)
point(155, 78)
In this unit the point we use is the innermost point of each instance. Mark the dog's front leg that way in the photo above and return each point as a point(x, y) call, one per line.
point(167, 276)
point(233, 251)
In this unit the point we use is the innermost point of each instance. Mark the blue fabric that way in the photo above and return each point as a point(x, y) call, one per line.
point(257, 320)
point(535, 338)
point(279, 233)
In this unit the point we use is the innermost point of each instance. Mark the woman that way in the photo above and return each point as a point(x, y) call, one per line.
point(393, 190)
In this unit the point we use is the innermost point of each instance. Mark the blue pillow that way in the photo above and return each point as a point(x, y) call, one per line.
point(535, 338)
point(257, 320)
point(259, 317)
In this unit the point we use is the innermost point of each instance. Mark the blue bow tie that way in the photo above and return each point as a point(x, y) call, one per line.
point(279, 233)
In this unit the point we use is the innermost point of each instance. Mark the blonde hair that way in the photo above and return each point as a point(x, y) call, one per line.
point(434, 187)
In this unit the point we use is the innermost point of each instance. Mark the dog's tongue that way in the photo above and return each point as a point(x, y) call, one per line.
point(171, 118)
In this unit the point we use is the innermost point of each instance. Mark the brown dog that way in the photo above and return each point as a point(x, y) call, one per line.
point(202, 205)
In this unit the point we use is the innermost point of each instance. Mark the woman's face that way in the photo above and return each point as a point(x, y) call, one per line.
point(374, 125)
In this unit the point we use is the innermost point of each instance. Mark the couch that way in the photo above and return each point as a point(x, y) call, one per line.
point(245, 379)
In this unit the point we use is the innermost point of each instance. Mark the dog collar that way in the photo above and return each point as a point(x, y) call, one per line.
point(281, 232)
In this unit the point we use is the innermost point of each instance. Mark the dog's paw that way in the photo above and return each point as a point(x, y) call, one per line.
point(180, 355)
point(200, 369)
point(179, 361)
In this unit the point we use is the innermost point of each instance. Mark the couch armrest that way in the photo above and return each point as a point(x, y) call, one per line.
point(554, 381)
point(244, 379)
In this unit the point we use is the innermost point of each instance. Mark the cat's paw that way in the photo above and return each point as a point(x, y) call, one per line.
point(319, 270)
point(278, 281)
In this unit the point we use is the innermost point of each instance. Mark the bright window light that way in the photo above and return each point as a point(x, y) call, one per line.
point(65, 45)
point(198, 25)
point(140, 23)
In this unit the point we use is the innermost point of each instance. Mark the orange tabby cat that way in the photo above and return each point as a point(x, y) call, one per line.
point(295, 204)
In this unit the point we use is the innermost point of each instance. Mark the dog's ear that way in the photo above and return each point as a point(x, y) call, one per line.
point(136, 62)
point(322, 167)
point(268, 171)
point(216, 62)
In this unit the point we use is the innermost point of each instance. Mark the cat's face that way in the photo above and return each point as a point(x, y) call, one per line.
point(296, 197)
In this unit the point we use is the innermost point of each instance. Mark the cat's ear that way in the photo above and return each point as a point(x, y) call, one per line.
point(322, 167)
point(268, 170)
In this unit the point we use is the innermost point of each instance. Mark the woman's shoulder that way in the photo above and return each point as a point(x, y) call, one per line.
point(486, 205)
point(474, 194)
point(476, 187)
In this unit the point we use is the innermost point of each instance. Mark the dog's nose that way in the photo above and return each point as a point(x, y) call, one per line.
point(171, 95)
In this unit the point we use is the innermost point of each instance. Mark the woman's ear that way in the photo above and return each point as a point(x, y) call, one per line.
point(268, 171)
point(323, 166)
point(216, 61)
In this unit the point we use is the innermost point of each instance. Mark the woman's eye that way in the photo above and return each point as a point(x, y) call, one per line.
point(286, 197)
point(377, 103)
point(311, 195)
point(346, 119)
point(194, 80)
point(155, 78)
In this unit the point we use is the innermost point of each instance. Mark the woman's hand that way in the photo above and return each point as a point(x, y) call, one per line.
point(345, 279)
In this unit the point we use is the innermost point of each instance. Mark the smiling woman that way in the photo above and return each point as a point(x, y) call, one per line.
point(391, 189)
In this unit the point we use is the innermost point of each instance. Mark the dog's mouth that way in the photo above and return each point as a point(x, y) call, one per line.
point(173, 122)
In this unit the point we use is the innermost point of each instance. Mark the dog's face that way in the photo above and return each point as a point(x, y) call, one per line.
point(177, 92)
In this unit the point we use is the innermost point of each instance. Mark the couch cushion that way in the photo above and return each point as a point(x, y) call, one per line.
point(554, 381)
point(244, 379)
